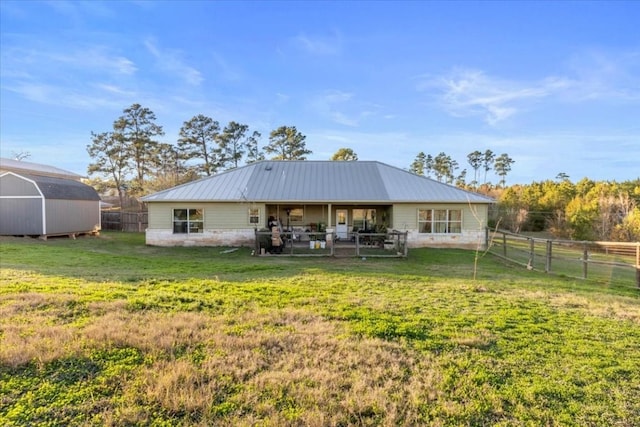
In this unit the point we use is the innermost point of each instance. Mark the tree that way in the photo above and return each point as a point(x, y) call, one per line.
point(487, 161)
point(287, 144)
point(197, 140)
point(344, 154)
point(254, 154)
point(232, 143)
point(502, 166)
point(428, 165)
point(444, 167)
point(110, 154)
point(461, 179)
point(137, 129)
point(475, 161)
point(171, 170)
point(417, 166)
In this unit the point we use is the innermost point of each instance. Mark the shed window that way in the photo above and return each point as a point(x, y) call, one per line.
point(187, 221)
point(440, 221)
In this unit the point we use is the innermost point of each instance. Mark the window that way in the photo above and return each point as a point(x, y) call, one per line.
point(440, 221)
point(364, 219)
point(254, 216)
point(296, 216)
point(187, 221)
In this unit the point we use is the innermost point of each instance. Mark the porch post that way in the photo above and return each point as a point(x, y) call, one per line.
point(329, 229)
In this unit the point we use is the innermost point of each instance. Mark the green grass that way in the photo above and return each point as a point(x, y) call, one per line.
point(108, 331)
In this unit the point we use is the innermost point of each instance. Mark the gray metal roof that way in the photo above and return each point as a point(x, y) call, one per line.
point(317, 181)
point(20, 167)
point(61, 188)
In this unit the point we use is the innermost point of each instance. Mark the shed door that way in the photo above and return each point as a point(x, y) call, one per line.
point(342, 223)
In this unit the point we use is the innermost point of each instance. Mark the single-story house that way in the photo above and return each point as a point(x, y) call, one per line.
point(41, 200)
point(339, 197)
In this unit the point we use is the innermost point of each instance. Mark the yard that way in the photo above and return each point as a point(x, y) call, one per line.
point(107, 331)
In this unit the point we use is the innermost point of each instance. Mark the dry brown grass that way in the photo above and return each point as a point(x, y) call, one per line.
point(282, 367)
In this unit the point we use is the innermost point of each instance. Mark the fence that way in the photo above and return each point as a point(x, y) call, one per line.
point(615, 263)
point(376, 245)
point(124, 221)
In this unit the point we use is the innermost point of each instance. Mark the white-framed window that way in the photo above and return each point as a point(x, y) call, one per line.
point(187, 221)
point(440, 221)
point(254, 216)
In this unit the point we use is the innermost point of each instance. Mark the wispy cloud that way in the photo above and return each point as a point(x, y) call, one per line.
point(610, 75)
point(588, 76)
point(342, 107)
point(466, 92)
point(170, 61)
point(319, 45)
point(42, 73)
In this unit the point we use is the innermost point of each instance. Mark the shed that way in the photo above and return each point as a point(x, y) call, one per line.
point(37, 200)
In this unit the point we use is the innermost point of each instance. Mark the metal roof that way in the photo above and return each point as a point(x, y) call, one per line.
point(20, 166)
point(317, 181)
point(59, 188)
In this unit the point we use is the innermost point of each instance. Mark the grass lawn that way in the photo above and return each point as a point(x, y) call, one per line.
point(107, 331)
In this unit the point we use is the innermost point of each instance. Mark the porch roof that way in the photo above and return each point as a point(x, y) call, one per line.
point(317, 182)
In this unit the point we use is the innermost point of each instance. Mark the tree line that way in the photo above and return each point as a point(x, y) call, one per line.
point(134, 163)
point(446, 169)
point(586, 210)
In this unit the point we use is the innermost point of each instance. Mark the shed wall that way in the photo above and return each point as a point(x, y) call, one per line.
point(13, 186)
point(21, 216)
point(72, 216)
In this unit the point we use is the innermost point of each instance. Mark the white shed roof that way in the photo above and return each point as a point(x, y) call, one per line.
point(19, 166)
point(317, 181)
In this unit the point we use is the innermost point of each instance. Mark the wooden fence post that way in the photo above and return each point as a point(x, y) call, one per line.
point(504, 244)
point(585, 259)
point(547, 266)
point(531, 252)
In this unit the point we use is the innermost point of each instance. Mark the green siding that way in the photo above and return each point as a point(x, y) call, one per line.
point(217, 216)
point(405, 216)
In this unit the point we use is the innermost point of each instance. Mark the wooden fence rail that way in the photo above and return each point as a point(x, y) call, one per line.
point(617, 263)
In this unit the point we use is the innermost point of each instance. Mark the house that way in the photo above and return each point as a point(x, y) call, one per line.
point(41, 200)
point(306, 196)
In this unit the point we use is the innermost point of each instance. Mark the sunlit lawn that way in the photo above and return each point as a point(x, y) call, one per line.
point(108, 331)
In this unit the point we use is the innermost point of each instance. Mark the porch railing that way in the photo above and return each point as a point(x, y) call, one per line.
point(392, 244)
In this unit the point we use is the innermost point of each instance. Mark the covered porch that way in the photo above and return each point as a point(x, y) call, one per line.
point(391, 244)
point(305, 221)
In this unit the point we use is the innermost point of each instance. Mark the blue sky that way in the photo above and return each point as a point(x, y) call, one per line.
point(555, 85)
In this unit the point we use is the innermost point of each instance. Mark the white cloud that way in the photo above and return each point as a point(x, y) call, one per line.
point(606, 75)
point(343, 107)
point(319, 45)
point(171, 61)
point(473, 93)
point(590, 76)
